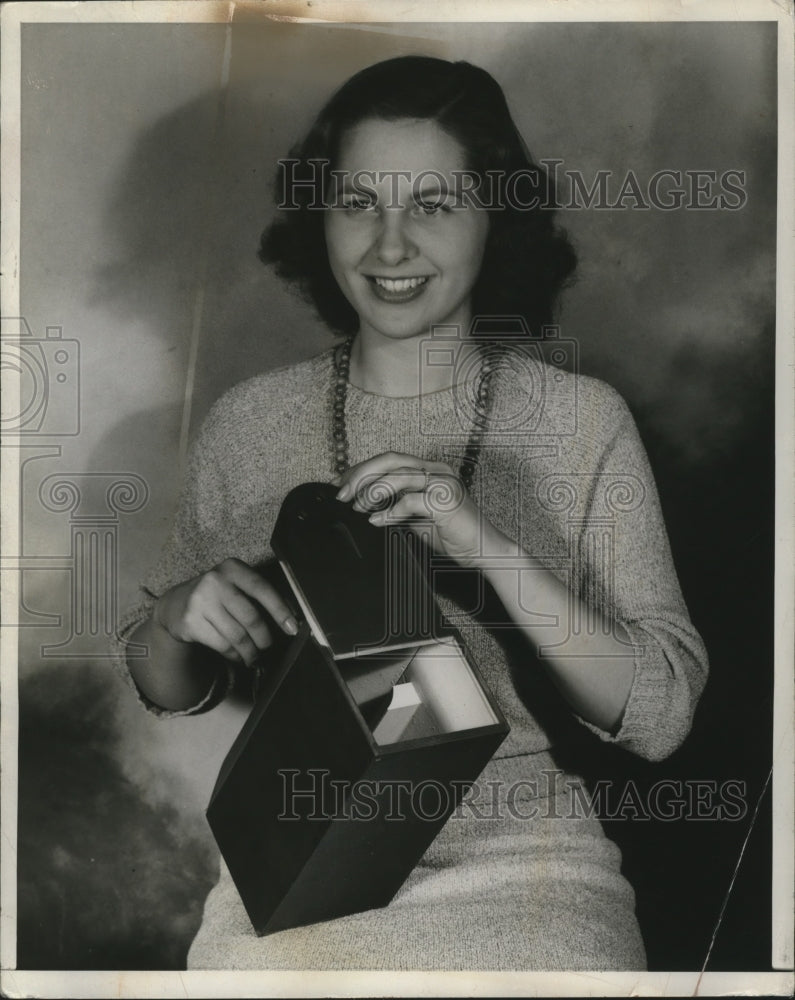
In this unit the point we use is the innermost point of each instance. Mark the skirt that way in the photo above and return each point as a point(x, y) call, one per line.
point(521, 877)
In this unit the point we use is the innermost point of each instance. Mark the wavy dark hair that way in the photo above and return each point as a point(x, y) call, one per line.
point(527, 260)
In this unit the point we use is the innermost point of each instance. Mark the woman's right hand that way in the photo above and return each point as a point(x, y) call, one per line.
point(227, 609)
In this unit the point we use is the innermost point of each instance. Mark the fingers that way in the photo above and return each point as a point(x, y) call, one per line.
point(381, 491)
point(251, 584)
point(426, 496)
point(410, 505)
point(226, 636)
point(353, 481)
point(249, 623)
point(225, 609)
point(436, 493)
point(442, 516)
point(380, 480)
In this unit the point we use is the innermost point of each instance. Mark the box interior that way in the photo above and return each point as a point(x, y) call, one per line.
point(436, 693)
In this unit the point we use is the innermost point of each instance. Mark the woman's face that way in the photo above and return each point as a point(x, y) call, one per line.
point(405, 252)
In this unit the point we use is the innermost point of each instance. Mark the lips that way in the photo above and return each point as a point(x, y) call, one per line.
point(398, 289)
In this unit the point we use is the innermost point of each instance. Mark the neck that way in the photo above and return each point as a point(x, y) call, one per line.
point(400, 367)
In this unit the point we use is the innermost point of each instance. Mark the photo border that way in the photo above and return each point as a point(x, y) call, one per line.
point(206, 984)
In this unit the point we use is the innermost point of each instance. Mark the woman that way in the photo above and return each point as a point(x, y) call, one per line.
point(429, 214)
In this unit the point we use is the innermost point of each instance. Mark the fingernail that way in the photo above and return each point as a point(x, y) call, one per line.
point(290, 625)
point(345, 492)
point(377, 518)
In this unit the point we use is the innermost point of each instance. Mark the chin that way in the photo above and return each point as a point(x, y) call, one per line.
point(415, 333)
point(397, 330)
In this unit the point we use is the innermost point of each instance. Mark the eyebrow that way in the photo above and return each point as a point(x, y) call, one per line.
point(378, 176)
point(432, 187)
point(428, 187)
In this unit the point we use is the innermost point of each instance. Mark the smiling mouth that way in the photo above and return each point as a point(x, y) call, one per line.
point(398, 289)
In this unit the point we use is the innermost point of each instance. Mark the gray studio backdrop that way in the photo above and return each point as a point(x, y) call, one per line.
point(148, 153)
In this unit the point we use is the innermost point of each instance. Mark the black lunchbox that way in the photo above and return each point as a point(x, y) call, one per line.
point(364, 739)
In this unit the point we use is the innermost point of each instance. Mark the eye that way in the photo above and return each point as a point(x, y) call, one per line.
point(432, 206)
point(358, 203)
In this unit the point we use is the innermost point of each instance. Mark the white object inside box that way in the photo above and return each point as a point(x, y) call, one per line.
point(438, 693)
point(434, 690)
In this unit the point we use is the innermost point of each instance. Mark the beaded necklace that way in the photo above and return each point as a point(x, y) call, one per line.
point(339, 434)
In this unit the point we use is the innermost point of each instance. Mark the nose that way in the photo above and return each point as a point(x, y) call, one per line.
point(393, 244)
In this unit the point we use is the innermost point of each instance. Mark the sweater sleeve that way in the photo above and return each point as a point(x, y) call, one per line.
point(194, 546)
point(626, 569)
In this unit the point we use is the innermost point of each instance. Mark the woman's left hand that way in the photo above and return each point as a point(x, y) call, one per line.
point(404, 488)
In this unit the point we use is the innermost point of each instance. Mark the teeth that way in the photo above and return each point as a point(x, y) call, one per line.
point(400, 284)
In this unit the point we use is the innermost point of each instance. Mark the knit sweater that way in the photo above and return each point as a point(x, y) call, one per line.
point(562, 471)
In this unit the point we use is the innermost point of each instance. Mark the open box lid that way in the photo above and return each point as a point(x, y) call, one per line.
point(363, 589)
